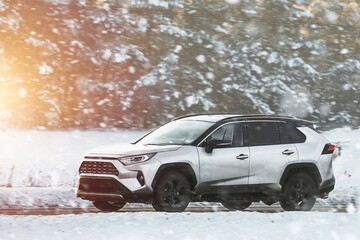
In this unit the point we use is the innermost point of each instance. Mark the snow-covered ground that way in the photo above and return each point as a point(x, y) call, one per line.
point(184, 226)
point(41, 168)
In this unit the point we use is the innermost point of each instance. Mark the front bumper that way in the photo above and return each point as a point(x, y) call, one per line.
point(109, 180)
point(94, 188)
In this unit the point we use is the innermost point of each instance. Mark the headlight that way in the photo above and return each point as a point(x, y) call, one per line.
point(136, 159)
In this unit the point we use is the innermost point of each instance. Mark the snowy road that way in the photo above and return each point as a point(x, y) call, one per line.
point(148, 208)
point(187, 225)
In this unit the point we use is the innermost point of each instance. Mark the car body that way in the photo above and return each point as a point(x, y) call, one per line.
point(228, 158)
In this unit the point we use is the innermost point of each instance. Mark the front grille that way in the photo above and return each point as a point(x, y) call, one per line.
point(96, 167)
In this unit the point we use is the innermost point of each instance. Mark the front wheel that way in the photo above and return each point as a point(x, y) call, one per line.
point(298, 193)
point(172, 193)
point(236, 204)
point(109, 206)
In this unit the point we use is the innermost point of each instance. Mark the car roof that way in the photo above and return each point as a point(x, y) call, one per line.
point(206, 117)
point(227, 117)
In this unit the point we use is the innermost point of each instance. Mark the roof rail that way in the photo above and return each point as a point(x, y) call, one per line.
point(200, 114)
point(251, 116)
point(230, 113)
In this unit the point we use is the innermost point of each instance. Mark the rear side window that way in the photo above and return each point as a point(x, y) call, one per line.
point(262, 133)
point(290, 134)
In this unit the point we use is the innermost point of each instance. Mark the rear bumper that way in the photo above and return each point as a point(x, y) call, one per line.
point(326, 187)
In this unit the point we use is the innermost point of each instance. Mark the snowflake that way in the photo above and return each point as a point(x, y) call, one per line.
point(45, 69)
point(201, 59)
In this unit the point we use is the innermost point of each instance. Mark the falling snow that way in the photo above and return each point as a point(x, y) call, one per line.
point(45, 69)
point(201, 58)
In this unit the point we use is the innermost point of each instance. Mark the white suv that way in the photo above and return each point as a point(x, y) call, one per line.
point(232, 159)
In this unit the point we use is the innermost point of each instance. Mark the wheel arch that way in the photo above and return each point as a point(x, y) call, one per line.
point(183, 168)
point(309, 168)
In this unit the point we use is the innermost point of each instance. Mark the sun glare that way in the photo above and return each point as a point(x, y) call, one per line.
point(13, 98)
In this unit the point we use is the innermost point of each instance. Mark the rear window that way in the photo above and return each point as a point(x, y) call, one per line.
point(290, 134)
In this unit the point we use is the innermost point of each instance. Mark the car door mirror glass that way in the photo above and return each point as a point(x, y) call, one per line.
point(211, 144)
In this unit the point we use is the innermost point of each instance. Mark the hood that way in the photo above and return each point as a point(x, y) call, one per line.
point(131, 149)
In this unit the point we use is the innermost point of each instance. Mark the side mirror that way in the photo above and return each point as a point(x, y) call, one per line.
point(210, 145)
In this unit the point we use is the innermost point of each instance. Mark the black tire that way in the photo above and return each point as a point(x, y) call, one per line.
point(172, 193)
point(299, 193)
point(156, 207)
point(109, 206)
point(236, 204)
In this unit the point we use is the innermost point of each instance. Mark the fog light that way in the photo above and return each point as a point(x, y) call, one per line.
point(140, 177)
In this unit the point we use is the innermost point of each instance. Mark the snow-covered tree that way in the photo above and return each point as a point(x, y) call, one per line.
point(116, 63)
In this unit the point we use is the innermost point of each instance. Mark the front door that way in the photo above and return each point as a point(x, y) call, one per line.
point(227, 165)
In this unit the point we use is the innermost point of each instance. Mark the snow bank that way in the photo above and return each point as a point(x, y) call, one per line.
point(39, 197)
point(346, 166)
point(49, 159)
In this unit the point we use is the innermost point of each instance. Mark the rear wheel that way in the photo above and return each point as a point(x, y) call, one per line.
point(172, 193)
point(298, 193)
point(109, 206)
point(236, 204)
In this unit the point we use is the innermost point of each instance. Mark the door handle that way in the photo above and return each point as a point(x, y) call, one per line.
point(288, 152)
point(242, 157)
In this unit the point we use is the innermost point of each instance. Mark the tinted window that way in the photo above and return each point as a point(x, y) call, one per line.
point(262, 133)
point(231, 133)
point(290, 134)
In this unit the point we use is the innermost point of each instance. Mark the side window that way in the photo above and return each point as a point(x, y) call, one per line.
point(229, 133)
point(262, 133)
point(223, 134)
point(238, 139)
point(290, 134)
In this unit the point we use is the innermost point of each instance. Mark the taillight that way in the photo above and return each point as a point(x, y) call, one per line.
point(329, 148)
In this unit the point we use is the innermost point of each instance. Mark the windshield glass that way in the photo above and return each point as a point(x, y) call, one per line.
point(176, 132)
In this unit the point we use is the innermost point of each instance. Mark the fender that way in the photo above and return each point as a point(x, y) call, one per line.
point(301, 167)
point(184, 168)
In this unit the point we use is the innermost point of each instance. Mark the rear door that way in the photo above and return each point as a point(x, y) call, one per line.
point(269, 155)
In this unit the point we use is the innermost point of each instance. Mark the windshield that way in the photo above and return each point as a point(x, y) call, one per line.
point(176, 132)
